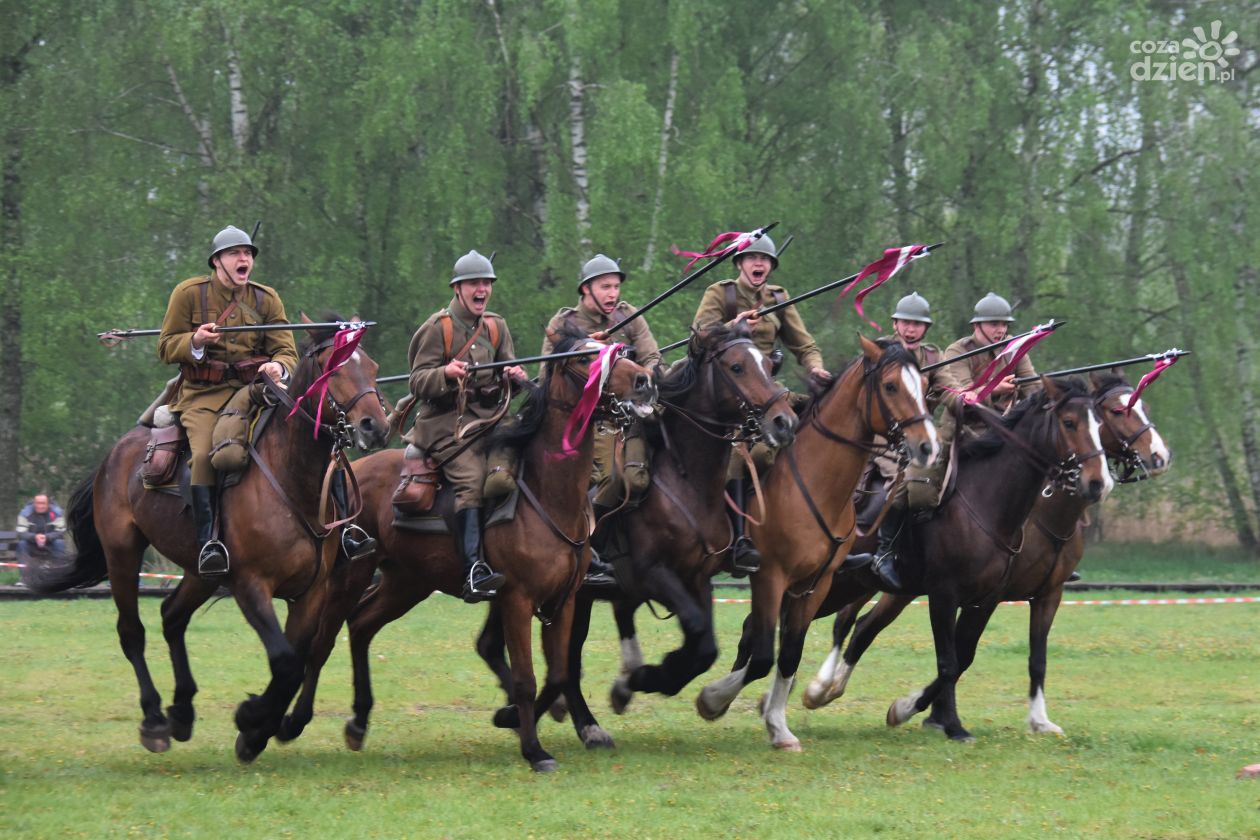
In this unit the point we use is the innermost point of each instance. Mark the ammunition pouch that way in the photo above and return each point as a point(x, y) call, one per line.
point(161, 456)
point(213, 372)
point(229, 451)
point(636, 473)
point(925, 484)
point(501, 474)
point(418, 483)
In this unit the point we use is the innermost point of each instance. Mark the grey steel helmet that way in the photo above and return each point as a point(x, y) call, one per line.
point(229, 237)
point(472, 266)
point(764, 245)
point(991, 307)
point(598, 266)
point(913, 307)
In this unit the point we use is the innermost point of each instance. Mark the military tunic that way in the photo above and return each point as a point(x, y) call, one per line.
point(960, 376)
point(437, 412)
point(197, 404)
point(924, 355)
point(608, 481)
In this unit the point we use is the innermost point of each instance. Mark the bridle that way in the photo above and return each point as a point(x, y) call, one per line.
point(750, 426)
point(1131, 465)
point(896, 429)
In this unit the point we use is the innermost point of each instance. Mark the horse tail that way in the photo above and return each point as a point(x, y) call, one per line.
point(87, 567)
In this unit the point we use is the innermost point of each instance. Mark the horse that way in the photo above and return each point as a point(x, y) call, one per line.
point(809, 489)
point(677, 536)
point(542, 551)
point(1051, 551)
point(267, 520)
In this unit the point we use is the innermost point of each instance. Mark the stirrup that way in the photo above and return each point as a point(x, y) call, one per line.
point(213, 561)
point(483, 587)
point(745, 558)
point(356, 543)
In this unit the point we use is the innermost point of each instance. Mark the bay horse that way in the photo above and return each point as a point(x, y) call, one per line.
point(676, 538)
point(809, 490)
point(272, 528)
point(1051, 550)
point(543, 551)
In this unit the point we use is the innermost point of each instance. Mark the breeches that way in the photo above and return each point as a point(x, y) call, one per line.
point(466, 472)
point(608, 479)
point(198, 423)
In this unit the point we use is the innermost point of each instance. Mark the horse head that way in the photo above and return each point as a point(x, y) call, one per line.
point(627, 389)
point(337, 392)
point(736, 385)
point(1076, 438)
point(1128, 435)
point(896, 407)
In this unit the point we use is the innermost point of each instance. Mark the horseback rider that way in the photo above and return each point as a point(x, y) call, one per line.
point(729, 301)
point(453, 339)
point(911, 320)
point(599, 310)
point(214, 366)
point(989, 324)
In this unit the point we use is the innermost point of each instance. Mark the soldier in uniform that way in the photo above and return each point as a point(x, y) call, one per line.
point(989, 325)
point(599, 310)
point(739, 299)
point(463, 334)
point(911, 320)
point(214, 365)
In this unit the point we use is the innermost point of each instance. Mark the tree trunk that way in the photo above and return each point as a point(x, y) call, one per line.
point(662, 162)
point(236, 94)
point(1023, 281)
point(577, 139)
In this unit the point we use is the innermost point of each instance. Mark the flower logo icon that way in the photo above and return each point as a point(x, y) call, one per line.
point(1214, 48)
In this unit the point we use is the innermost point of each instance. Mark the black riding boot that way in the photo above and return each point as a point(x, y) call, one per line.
point(213, 560)
point(599, 573)
point(481, 583)
point(355, 542)
point(745, 558)
point(883, 563)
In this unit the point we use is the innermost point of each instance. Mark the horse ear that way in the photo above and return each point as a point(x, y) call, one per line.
point(1053, 391)
point(305, 320)
point(870, 349)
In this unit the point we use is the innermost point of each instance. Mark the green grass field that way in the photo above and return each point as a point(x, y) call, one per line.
point(1158, 705)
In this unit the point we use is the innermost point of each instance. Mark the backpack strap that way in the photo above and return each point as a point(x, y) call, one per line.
point(731, 304)
point(780, 295)
point(448, 335)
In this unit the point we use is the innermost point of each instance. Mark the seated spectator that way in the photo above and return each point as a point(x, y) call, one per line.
point(41, 528)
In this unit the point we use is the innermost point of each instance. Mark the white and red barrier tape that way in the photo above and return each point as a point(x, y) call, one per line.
point(1093, 602)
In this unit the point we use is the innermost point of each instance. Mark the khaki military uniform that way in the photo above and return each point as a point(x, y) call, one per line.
point(608, 481)
point(202, 300)
point(785, 326)
point(437, 409)
point(961, 375)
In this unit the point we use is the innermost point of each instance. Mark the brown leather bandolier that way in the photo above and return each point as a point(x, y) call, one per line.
point(732, 305)
point(212, 371)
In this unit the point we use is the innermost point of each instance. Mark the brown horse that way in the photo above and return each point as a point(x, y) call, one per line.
point(964, 557)
point(676, 538)
point(810, 489)
point(543, 552)
point(1051, 550)
point(271, 528)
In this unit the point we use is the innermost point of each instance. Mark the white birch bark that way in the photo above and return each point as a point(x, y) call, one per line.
point(577, 138)
point(662, 161)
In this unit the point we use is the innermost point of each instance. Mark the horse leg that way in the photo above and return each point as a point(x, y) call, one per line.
point(258, 718)
point(943, 612)
point(1041, 617)
point(833, 677)
point(743, 652)
point(767, 591)
point(177, 610)
point(342, 599)
point(798, 614)
point(124, 567)
point(379, 607)
point(623, 613)
point(518, 629)
point(490, 647)
point(564, 653)
point(693, 657)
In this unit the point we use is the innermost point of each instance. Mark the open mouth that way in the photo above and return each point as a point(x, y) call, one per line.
point(479, 299)
point(758, 275)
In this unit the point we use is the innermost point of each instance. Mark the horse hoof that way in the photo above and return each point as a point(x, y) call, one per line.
point(355, 735)
point(962, 736)
point(793, 746)
point(705, 712)
point(1039, 727)
point(595, 738)
point(155, 738)
point(509, 717)
point(245, 752)
point(546, 765)
point(931, 724)
point(559, 710)
point(289, 729)
point(620, 696)
point(181, 730)
point(814, 696)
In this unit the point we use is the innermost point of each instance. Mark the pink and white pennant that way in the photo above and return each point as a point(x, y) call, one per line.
point(718, 247)
point(884, 268)
point(1162, 364)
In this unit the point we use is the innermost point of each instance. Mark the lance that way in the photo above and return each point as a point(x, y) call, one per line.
point(112, 337)
point(716, 261)
point(1149, 357)
point(502, 363)
point(1051, 326)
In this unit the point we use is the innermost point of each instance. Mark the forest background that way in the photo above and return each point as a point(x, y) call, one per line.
point(1090, 161)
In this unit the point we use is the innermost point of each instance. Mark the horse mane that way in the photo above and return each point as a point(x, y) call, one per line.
point(1106, 380)
point(990, 443)
point(681, 377)
point(891, 351)
point(526, 422)
point(308, 367)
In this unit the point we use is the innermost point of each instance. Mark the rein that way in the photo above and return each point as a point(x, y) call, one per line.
point(1130, 462)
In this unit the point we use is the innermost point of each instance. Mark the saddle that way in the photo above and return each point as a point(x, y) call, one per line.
point(439, 518)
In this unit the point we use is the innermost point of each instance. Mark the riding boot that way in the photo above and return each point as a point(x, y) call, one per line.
point(599, 572)
point(884, 565)
point(745, 558)
point(212, 562)
point(355, 542)
point(481, 583)
point(1073, 577)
